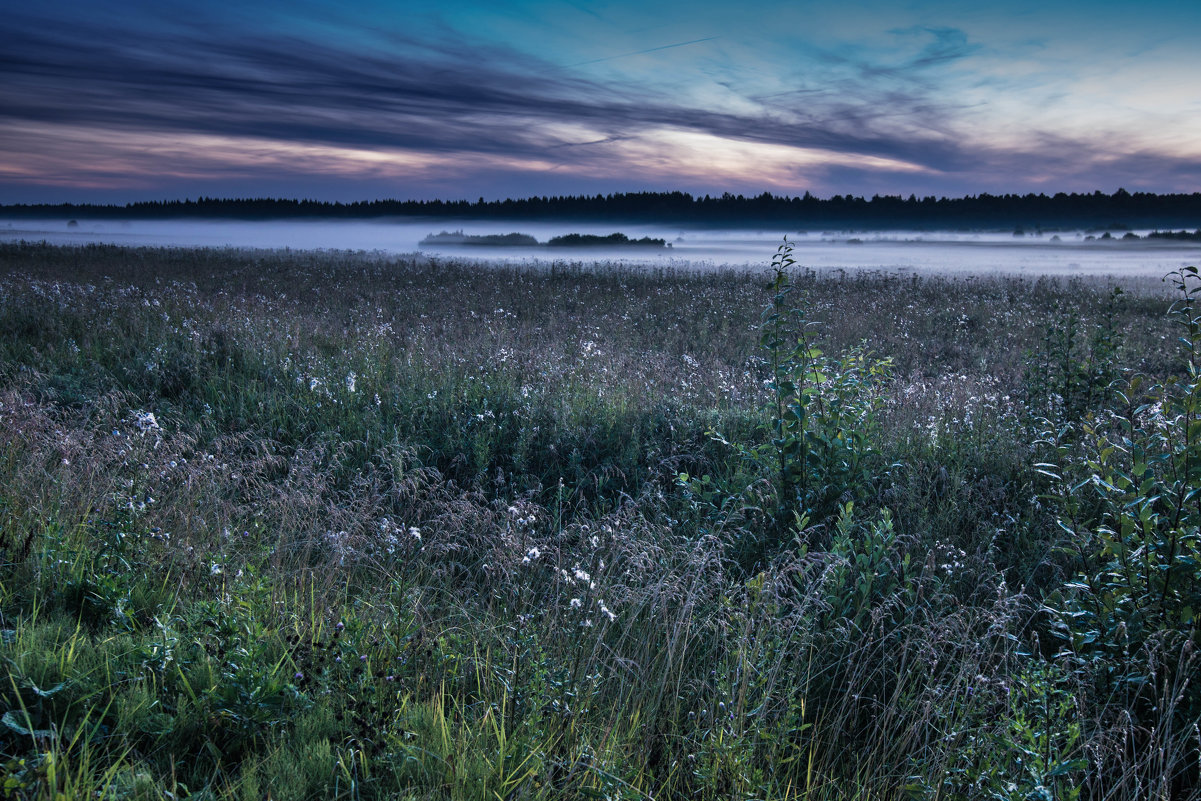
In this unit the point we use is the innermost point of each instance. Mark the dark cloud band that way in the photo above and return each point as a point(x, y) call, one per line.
point(459, 97)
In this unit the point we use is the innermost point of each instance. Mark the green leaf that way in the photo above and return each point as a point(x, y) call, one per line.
point(11, 721)
point(1068, 766)
point(47, 693)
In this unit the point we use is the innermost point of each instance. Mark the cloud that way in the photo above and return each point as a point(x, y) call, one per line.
point(197, 100)
point(480, 99)
point(949, 44)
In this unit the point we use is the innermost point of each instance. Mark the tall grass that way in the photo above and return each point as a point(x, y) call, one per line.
point(334, 525)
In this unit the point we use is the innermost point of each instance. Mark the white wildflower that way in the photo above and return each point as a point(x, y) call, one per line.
point(582, 576)
point(606, 611)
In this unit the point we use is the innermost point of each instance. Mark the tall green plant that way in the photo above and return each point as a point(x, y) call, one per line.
point(1072, 371)
point(820, 449)
point(1133, 519)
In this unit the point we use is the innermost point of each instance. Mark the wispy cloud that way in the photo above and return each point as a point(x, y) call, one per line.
point(417, 97)
point(428, 104)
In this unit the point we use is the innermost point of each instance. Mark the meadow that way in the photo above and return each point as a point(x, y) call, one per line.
point(300, 524)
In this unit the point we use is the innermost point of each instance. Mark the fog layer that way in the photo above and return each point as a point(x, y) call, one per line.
point(1060, 253)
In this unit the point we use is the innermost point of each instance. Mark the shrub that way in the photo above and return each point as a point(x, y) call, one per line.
point(821, 443)
point(1130, 503)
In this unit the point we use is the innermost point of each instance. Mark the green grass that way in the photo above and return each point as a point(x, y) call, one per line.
point(411, 529)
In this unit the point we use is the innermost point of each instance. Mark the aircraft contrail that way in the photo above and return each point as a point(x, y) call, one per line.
point(648, 50)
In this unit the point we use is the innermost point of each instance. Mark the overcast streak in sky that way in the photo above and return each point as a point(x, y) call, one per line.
point(128, 100)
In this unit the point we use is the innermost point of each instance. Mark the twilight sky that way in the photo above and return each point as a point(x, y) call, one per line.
point(116, 101)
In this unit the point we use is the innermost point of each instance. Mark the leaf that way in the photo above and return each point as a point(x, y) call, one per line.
point(11, 721)
point(47, 693)
point(1068, 766)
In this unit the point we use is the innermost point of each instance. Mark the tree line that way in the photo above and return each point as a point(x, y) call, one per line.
point(1118, 210)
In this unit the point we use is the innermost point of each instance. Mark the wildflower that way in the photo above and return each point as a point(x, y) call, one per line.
point(576, 603)
point(606, 611)
point(531, 556)
point(146, 421)
point(415, 533)
point(350, 379)
point(582, 576)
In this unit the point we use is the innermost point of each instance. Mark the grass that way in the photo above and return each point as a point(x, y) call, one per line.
point(339, 525)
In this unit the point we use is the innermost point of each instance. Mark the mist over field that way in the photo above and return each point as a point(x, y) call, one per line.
point(1050, 253)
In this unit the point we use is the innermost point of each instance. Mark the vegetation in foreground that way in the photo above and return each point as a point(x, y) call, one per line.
point(300, 525)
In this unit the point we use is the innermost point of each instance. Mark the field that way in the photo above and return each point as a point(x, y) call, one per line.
point(341, 525)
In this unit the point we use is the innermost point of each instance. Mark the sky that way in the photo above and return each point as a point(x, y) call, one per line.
point(124, 101)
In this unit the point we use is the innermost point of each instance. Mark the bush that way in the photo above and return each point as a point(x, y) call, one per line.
point(821, 443)
point(1130, 504)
